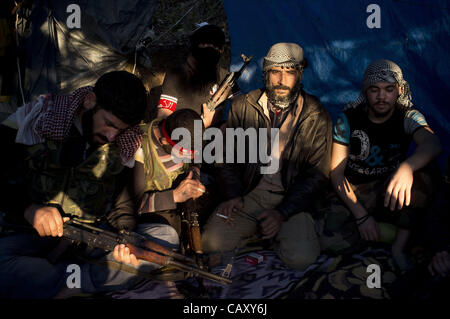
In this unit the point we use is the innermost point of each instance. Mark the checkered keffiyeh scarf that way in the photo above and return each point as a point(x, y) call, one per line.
point(383, 71)
point(57, 115)
point(288, 55)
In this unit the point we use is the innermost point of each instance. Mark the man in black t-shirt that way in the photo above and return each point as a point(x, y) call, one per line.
point(370, 170)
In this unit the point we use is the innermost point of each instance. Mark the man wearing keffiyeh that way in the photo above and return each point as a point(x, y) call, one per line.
point(70, 158)
point(370, 170)
point(276, 205)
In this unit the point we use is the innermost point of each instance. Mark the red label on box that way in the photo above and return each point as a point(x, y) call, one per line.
point(254, 258)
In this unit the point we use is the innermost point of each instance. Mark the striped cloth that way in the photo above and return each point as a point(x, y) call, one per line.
point(160, 200)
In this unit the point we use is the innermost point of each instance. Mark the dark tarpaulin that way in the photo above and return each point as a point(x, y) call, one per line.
point(339, 46)
point(60, 59)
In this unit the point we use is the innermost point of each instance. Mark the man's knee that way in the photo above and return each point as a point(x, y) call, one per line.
point(26, 244)
point(298, 244)
point(300, 259)
point(215, 240)
point(424, 186)
point(221, 237)
point(163, 234)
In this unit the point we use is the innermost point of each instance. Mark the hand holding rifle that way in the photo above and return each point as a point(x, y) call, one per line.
point(222, 93)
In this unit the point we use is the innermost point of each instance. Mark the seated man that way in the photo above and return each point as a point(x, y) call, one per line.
point(280, 203)
point(190, 85)
point(430, 278)
point(163, 174)
point(67, 160)
point(370, 170)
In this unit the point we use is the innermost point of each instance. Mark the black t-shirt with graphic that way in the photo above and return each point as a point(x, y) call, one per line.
point(375, 150)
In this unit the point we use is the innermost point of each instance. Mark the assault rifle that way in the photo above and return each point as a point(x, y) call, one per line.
point(227, 83)
point(140, 246)
point(191, 229)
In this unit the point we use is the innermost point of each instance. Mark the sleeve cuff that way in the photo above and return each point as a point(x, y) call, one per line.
point(164, 201)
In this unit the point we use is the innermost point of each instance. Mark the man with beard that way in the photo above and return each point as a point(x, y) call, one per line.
point(276, 206)
point(191, 85)
point(69, 157)
point(370, 169)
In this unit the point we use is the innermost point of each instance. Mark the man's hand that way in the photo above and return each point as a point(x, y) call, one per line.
point(369, 229)
point(440, 264)
point(228, 207)
point(218, 98)
point(208, 116)
point(222, 95)
point(398, 191)
point(188, 188)
point(270, 223)
point(46, 220)
point(121, 253)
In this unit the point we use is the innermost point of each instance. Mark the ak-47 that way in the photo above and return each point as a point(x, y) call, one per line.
point(192, 227)
point(228, 82)
point(140, 246)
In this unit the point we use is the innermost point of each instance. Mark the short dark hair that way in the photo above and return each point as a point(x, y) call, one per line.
point(123, 94)
point(210, 34)
point(184, 118)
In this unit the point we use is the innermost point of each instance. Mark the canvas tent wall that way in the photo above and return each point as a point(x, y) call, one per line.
point(61, 59)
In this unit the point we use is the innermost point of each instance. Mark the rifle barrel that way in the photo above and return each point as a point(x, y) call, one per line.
point(200, 272)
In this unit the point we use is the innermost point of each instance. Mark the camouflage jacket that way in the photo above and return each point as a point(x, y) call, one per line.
point(84, 191)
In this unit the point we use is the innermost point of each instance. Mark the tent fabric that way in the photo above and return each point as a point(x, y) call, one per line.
point(61, 59)
point(339, 46)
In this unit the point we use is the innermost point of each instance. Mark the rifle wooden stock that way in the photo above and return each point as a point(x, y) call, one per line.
point(191, 216)
point(165, 251)
point(196, 239)
point(147, 255)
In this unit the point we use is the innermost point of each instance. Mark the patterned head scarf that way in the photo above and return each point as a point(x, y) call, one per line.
point(383, 71)
point(283, 54)
point(58, 113)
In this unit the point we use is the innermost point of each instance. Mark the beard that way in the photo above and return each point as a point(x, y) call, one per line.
point(87, 124)
point(282, 102)
point(381, 114)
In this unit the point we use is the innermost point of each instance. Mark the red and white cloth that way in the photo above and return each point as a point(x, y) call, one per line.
point(51, 116)
point(167, 102)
